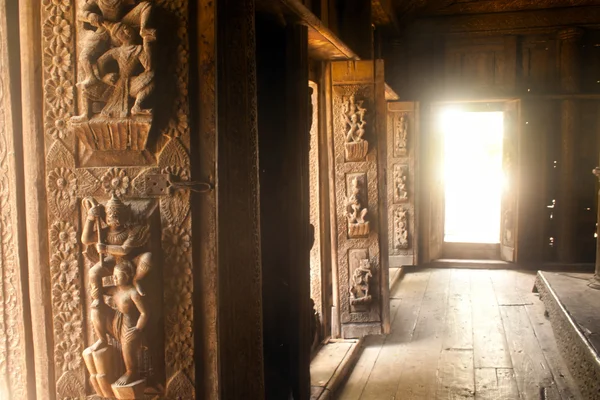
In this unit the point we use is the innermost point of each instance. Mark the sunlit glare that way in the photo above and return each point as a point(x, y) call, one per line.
point(473, 176)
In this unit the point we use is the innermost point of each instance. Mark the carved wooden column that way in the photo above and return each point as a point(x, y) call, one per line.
point(569, 60)
point(108, 177)
point(17, 375)
point(240, 320)
point(360, 249)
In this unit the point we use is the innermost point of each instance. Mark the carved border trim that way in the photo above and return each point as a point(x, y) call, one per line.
point(13, 381)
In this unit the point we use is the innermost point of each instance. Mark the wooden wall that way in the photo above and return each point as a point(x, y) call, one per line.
point(525, 65)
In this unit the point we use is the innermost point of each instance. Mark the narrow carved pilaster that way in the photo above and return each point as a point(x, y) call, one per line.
point(15, 348)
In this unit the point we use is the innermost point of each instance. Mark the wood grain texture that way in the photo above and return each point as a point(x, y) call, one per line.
point(456, 342)
point(241, 349)
point(490, 347)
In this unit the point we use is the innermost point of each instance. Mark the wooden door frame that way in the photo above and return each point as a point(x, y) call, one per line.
point(427, 175)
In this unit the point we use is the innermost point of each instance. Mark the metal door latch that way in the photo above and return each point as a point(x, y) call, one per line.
point(167, 185)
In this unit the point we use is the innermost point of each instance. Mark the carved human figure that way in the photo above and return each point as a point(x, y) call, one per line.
point(401, 233)
point(356, 213)
point(110, 35)
point(126, 323)
point(119, 251)
point(401, 132)
point(401, 190)
point(120, 241)
point(360, 280)
point(354, 116)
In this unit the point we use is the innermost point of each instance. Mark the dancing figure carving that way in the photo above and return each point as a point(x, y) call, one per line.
point(118, 74)
point(118, 252)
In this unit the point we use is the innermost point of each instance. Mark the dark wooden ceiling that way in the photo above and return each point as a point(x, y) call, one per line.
point(428, 8)
point(396, 14)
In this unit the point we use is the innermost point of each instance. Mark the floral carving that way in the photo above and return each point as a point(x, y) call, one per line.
point(63, 267)
point(180, 329)
point(177, 242)
point(57, 60)
point(63, 236)
point(180, 172)
point(56, 7)
point(115, 181)
point(180, 355)
point(59, 92)
point(56, 122)
point(62, 183)
point(68, 325)
point(67, 356)
point(57, 30)
point(66, 296)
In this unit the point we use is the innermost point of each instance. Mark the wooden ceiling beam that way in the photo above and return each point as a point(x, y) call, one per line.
point(323, 44)
point(492, 6)
point(508, 23)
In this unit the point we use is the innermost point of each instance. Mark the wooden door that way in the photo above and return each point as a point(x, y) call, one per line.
point(359, 224)
point(432, 190)
point(402, 149)
point(510, 149)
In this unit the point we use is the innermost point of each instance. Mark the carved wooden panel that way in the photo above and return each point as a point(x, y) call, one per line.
point(361, 273)
point(13, 326)
point(109, 137)
point(402, 140)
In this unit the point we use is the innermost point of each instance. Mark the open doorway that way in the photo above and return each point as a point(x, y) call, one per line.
point(473, 182)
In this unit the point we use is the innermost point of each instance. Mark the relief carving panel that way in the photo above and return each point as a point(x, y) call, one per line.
point(401, 189)
point(355, 123)
point(400, 128)
point(118, 185)
point(357, 213)
point(358, 226)
point(360, 265)
point(400, 183)
point(400, 224)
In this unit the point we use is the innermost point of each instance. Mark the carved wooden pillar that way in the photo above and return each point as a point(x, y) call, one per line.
point(16, 350)
point(359, 222)
point(569, 60)
point(239, 253)
point(107, 172)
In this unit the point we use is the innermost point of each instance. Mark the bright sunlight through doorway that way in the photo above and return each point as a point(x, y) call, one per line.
point(473, 176)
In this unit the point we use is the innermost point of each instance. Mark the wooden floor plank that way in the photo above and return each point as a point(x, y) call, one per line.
point(508, 286)
point(452, 340)
point(455, 377)
point(531, 370)
point(495, 384)
point(489, 341)
point(411, 284)
point(383, 380)
point(354, 386)
point(419, 369)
